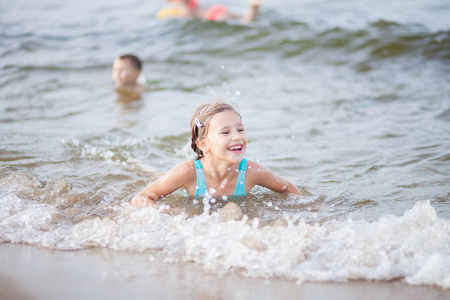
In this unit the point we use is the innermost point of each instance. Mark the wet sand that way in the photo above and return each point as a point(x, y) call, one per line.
point(28, 272)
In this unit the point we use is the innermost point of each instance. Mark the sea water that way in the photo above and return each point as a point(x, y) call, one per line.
point(349, 100)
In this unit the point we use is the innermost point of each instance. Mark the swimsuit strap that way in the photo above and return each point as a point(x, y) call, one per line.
point(200, 189)
point(240, 184)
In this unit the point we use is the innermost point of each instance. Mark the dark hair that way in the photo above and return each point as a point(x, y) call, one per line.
point(134, 60)
point(200, 121)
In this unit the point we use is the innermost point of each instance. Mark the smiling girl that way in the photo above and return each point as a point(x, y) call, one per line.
point(220, 169)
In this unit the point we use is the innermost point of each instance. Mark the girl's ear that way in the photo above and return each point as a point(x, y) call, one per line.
point(201, 144)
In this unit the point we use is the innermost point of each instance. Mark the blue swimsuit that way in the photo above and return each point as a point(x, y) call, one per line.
point(201, 184)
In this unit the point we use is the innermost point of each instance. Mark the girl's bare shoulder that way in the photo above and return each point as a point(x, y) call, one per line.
point(256, 173)
point(185, 168)
point(254, 167)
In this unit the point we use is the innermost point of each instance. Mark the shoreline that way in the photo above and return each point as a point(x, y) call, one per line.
point(32, 273)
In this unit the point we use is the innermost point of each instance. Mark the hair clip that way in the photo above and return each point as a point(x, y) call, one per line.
point(198, 123)
point(202, 110)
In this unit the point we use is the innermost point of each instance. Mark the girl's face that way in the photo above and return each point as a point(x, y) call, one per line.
point(226, 138)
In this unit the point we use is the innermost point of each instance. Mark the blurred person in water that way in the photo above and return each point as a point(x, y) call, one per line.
point(125, 72)
point(220, 169)
point(217, 12)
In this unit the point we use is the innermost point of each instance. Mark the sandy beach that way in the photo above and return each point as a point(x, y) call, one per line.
point(28, 272)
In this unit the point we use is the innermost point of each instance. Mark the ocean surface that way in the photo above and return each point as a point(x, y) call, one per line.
point(350, 100)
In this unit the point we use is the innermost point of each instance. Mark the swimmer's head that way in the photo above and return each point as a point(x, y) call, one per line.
point(201, 119)
point(126, 70)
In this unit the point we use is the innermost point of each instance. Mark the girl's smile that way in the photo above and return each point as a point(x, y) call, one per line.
point(236, 148)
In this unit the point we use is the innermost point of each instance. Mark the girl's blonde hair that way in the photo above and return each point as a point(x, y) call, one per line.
point(201, 119)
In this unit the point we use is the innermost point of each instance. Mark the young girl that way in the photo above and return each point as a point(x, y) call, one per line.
point(220, 169)
point(218, 12)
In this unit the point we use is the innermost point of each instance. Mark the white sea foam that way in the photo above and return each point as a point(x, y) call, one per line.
point(414, 247)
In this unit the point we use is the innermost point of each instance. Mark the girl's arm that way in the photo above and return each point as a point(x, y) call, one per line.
point(260, 175)
point(181, 175)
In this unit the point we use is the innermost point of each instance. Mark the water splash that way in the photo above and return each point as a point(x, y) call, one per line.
point(413, 247)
